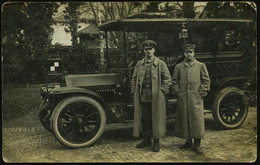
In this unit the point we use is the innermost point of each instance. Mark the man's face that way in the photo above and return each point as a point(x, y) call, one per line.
point(189, 54)
point(149, 52)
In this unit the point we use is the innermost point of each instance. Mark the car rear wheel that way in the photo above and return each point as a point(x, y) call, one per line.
point(78, 121)
point(230, 108)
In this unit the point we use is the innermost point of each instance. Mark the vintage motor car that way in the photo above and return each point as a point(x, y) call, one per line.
point(78, 109)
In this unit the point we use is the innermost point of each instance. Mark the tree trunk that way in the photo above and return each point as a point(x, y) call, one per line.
point(188, 9)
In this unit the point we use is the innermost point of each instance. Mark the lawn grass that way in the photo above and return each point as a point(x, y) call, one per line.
point(17, 102)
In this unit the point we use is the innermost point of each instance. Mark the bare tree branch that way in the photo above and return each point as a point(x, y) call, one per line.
point(112, 10)
point(118, 8)
point(94, 12)
point(106, 7)
point(122, 9)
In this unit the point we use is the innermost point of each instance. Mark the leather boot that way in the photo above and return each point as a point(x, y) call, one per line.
point(197, 148)
point(156, 145)
point(146, 143)
point(188, 144)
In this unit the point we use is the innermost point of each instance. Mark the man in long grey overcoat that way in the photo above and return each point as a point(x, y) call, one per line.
point(150, 83)
point(190, 82)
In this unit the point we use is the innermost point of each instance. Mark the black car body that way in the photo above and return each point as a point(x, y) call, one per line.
point(78, 111)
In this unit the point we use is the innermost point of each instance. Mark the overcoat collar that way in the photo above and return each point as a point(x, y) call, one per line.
point(189, 63)
point(155, 62)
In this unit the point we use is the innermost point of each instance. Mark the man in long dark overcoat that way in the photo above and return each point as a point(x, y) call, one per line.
point(150, 83)
point(190, 82)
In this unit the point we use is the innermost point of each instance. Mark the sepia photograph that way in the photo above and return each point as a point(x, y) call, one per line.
point(129, 81)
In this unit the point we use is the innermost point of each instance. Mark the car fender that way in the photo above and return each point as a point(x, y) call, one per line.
point(72, 91)
point(231, 81)
point(67, 90)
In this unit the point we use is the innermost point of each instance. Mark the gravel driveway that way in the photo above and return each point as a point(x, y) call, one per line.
point(24, 140)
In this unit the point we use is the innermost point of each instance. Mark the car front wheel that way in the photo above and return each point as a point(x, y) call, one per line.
point(78, 121)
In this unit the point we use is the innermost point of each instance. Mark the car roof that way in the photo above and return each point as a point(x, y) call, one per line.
point(166, 24)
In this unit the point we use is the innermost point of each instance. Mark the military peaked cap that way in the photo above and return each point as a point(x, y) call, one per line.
point(188, 46)
point(149, 43)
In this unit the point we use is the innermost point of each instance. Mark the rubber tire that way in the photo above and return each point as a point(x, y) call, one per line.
point(68, 101)
point(216, 104)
